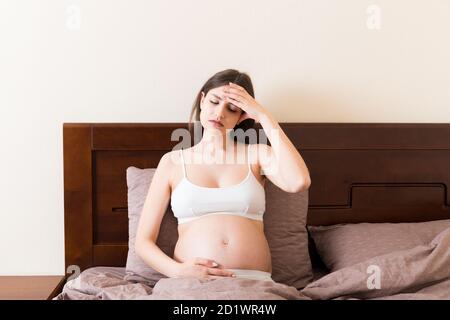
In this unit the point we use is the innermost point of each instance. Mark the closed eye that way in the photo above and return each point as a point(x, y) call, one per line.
point(232, 109)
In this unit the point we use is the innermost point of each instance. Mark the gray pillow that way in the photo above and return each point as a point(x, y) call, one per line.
point(284, 227)
point(138, 182)
point(343, 245)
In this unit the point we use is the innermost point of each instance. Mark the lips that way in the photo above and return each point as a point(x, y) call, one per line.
point(216, 122)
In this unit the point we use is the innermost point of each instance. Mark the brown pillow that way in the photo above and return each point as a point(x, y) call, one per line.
point(344, 245)
point(284, 227)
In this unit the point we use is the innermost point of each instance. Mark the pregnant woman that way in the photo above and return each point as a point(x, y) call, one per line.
point(220, 204)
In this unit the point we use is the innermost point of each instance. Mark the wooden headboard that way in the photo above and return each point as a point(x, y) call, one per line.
point(359, 172)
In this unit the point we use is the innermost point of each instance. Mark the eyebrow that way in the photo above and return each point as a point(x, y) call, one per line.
point(216, 96)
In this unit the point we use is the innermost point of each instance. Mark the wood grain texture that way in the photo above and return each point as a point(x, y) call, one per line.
point(30, 287)
point(78, 198)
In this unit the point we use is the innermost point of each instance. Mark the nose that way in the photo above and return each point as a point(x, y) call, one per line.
point(220, 110)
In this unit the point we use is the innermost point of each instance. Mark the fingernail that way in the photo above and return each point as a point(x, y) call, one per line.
point(214, 264)
point(233, 275)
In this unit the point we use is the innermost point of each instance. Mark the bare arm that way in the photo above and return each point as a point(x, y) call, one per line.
point(152, 214)
point(283, 164)
point(281, 161)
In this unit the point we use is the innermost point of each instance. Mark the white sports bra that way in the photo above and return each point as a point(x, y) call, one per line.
point(190, 201)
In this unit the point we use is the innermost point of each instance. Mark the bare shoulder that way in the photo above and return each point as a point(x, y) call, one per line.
point(166, 160)
point(169, 163)
point(171, 158)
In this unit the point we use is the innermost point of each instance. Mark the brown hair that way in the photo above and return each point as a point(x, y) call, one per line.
point(219, 79)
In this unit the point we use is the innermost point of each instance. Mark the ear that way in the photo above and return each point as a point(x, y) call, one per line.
point(201, 100)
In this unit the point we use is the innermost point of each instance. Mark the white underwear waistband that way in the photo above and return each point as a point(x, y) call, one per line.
point(252, 274)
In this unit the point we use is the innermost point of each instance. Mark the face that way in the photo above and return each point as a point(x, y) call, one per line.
point(214, 106)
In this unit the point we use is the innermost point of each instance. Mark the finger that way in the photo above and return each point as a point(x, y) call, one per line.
point(233, 97)
point(237, 103)
point(234, 91)
point(210, 276)
point(206, 262)
point(234, 85)
point(214, 277)
point(220, 272)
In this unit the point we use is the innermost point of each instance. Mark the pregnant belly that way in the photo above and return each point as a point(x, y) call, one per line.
point(232, 241)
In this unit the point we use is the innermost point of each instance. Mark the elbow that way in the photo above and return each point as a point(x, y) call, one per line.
point(141, 246)
point(138, 246)
point(303, 186)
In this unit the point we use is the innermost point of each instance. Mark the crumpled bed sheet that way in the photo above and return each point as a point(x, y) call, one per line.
point(422, 272)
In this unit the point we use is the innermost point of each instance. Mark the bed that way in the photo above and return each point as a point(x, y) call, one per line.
point(377, 208)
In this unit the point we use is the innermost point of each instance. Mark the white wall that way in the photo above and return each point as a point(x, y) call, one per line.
point(143, 61)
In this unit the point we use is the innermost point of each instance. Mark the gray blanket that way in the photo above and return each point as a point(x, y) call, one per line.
point(422, 272)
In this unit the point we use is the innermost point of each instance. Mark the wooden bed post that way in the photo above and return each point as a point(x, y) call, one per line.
point(77, 196)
